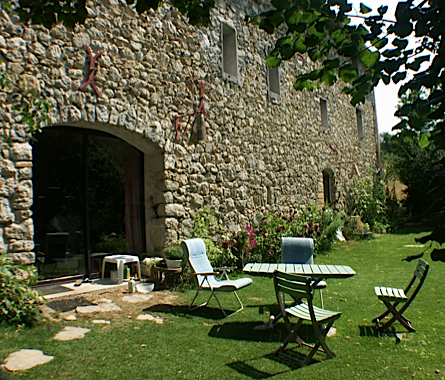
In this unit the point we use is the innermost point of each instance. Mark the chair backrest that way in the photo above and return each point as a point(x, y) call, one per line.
point(297, 250)
point(195, 251)
point(298, 287)
point(419, 273)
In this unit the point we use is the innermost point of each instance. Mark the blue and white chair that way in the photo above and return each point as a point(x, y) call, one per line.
point(206, 277)
point(299, 250)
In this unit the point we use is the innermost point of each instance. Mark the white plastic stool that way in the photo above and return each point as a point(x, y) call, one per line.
point(120, 261)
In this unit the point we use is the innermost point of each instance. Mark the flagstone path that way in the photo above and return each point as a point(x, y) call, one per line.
point(26, 358)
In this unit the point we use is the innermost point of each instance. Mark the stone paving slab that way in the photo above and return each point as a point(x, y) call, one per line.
point(100, 322)
point(149, 317)
point(70, 333)
point(102, 307)
point(26, 359)
point(135, 298)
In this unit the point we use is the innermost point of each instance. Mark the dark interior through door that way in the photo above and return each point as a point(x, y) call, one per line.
point(81, 203)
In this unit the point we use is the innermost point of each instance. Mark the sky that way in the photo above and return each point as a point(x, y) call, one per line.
point(385, 95)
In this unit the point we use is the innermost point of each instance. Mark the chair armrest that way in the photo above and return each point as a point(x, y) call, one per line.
point(205, 273)
point(225, 268)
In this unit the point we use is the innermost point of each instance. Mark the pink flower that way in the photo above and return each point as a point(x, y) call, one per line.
point(316, 226)
point(253, 243)
point(271, 254)
point(311, 224)
point(310, 231)
point(319, 233)
point(225, 245)
point(309, 208)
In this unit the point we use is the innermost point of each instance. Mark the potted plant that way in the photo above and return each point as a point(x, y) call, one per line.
point(173, 256)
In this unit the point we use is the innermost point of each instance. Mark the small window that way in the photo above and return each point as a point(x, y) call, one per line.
point(274, 82)
point(359, 117)
point(229, 51)
point(324, 113)
point(328, 186)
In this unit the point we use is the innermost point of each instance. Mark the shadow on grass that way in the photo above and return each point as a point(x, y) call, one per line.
point(183, 311)
point(208, 312)
point(390, 333)
point(246, 331)
point(254, 368)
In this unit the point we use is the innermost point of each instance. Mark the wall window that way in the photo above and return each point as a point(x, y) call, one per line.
point(359, 117)
point(229, 51)
point(324, 113)
point(328, 186)
point(274, 82)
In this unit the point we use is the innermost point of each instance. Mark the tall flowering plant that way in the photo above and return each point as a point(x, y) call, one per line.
point(261, 241)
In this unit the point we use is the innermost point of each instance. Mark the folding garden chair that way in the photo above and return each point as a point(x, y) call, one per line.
point(195, 251)
point(300, 250)
point(392, 297)
point(300, 288)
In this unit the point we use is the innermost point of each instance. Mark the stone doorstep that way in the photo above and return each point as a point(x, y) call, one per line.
point(91, 288)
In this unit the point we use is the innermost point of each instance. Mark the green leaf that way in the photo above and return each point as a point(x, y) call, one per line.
point(401, 44)
point(402, 28)
point(392, 53)
point(364, 9)
point(287, 52)
point(273, 61)
point(369, 58)
point(328, 77)
point(332, 63)
point(314, 54)
point(348, 73)
point(380, 43)
point(338, 35)
point(310, 16)
point(284, 41)
point(424, 141)
point(415, 66)
point(382, 10)
point(293, 16)
point(399, 76)
point(276, 18)
point(281, 4)
point(299, 44)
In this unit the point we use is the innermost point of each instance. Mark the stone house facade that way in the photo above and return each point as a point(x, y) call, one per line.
point(262, 146)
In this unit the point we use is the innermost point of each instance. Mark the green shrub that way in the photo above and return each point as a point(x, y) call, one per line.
point(18, 301)
point(261, 241)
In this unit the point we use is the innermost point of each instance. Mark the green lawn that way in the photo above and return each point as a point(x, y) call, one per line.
point(201, 345)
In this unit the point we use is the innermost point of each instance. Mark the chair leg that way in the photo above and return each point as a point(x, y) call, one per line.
point(203, 304)
point(321, 297)
point(397, 315)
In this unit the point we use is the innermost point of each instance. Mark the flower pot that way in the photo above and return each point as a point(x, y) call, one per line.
point(173, 263)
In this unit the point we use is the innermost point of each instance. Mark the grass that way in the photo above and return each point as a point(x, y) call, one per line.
point(202, 345)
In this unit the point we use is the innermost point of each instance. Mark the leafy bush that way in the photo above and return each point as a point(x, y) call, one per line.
point(18, 301)
point(261, 241)
point(374, 203)
point(219, 257)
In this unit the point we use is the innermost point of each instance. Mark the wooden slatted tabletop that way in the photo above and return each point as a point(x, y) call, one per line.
point(318, 271)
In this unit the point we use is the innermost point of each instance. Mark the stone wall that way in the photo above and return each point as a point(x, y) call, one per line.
point(260, 154)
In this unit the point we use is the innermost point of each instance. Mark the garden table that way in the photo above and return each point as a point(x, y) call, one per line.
point(317, 272)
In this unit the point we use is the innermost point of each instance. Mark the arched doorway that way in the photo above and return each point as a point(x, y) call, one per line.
point(88, 200)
